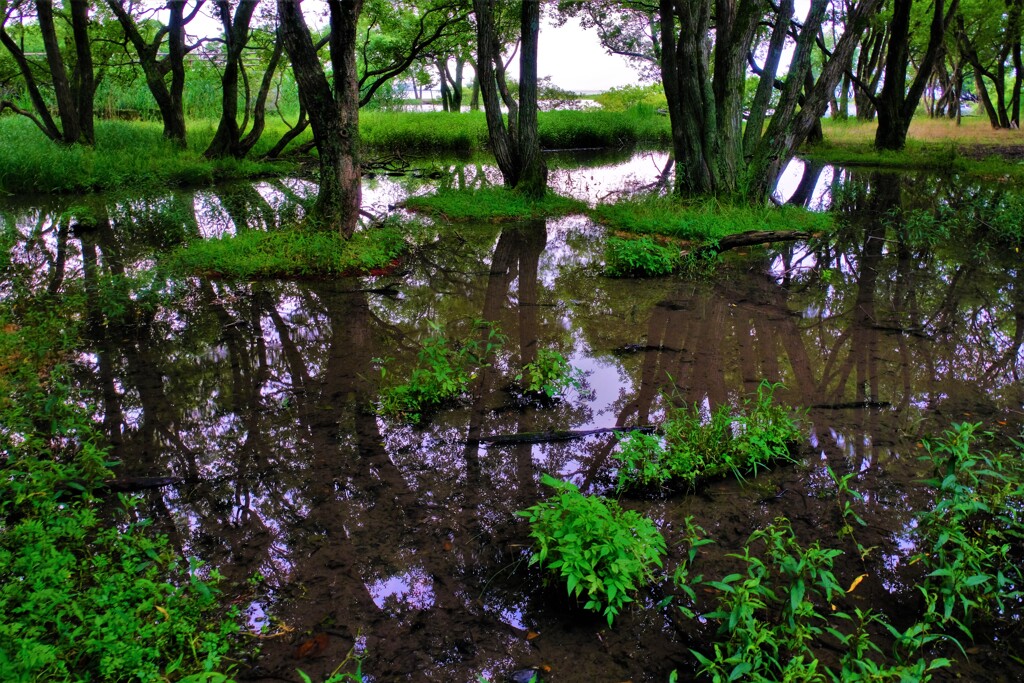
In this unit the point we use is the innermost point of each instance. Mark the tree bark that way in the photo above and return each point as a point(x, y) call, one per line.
point(333, 113)
point(227, 140)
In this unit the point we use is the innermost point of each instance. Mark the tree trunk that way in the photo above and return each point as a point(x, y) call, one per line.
point(333, 114)
point(84, 80)
point(67, 110)
point(226, 141)
point(533, 177)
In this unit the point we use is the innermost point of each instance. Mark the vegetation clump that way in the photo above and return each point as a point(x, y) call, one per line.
point(639, 257)
point(442, 373)
point(601, 551)
point(493, 204)
point(292, 252)
point(88, 589)
point(695, 445)
point(550, 374)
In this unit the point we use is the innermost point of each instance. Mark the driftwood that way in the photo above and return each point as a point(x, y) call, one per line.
point(852, 405)
point(549, 437)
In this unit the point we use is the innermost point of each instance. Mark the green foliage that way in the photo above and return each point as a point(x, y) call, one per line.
point(492, 204)
point(697, 446)
point(778, 610)
point(705, 222)
point(550, 374)
point(595, 546)
point(88, 591)
point(127, 155)
point(971, 540)
point(292, 253)
point(443, 372)
point(640, 257)
point(628, 96)
point(595, 128)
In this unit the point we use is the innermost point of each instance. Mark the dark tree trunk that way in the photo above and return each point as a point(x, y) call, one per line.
point(896, 102)
point(227, 140)
point(516, 145)
point(84, 79)
point(67, 111)
point(333, 113)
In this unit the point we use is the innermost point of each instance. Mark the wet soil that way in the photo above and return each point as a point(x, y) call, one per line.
point(401, 543)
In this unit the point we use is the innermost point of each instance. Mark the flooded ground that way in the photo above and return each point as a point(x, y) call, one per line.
point(401, 542)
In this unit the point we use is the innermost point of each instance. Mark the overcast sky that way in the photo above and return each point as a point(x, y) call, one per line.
point(576, 61)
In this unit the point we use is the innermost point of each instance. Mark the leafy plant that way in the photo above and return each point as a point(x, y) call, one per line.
point(550, 374)
point(443, 372)
point(638, 257)
point(595, 546)
point(972, 538)
point(781, 607)
point(696, 447)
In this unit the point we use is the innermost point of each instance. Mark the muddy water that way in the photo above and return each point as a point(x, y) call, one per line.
point(401, 542)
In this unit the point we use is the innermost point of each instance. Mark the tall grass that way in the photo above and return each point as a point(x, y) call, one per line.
point(127, 155)
point(492, 204)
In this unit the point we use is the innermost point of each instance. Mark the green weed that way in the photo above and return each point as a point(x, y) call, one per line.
point(491, 204)
point(779, 610)
point(550, 374)
point(695, 447)
point(641, 257)
point(442, 373)
point(971, 540)
point(597, 548)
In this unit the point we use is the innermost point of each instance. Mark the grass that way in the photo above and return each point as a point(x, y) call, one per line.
point(127, 155)
point(492, 204)
point(702, 222)
point(932, 144)
point(292, 253)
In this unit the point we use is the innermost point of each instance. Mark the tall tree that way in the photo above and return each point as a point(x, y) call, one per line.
point(333, 108)
point(516, 144)
point(169, 96)
point(705, 48)
point(988, 34)
point(71, 78)
point(897, 101)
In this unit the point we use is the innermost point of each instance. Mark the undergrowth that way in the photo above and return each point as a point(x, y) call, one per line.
point(602, 552)
point(696, 445)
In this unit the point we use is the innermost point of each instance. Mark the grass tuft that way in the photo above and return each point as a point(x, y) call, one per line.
point(492, 204)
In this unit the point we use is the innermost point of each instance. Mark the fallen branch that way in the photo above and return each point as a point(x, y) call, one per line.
point(548, 437)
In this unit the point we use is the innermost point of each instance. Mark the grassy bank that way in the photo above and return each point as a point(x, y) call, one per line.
point(492, 204)
point(973, 147)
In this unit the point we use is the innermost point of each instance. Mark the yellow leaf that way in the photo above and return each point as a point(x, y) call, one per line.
point(856, 582)
point(530, 635)
point(163, 611)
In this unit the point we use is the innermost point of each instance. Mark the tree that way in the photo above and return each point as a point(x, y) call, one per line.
point(332, 108)
point(228, 140)
point(516, 144)
point(72, 80)
point(168, 96)
point(704, 73)
point(988, 34)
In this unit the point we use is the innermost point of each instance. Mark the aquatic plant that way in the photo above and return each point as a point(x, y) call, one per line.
point(443, 372)
point(641, 257)
point(601, 551)
point(695, 446)
point(492, 204)
point(550, 374)
point(971, 539)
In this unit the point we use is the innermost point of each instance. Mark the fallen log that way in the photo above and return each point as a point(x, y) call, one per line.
point(549, 437)
point(752, 237)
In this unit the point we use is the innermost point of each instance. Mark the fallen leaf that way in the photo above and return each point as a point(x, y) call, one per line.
point(312, 647)
point(163, 611)
point(856, 582)
point(530, 635)
point(447, 546)
point(545, 668)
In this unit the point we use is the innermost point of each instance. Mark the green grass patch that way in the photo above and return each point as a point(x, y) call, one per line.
point(703, 222)
point(695, 446)
point(640, 257)
point(127, 155)
point(602, 552)
point(637, 126)
point(292, 253)
point(492, 204)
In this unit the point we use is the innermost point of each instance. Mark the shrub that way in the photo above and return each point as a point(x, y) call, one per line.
point(550, 374)
point(596, 547)
point(641, 257)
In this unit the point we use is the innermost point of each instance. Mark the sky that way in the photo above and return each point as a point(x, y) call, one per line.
point(576, 61)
